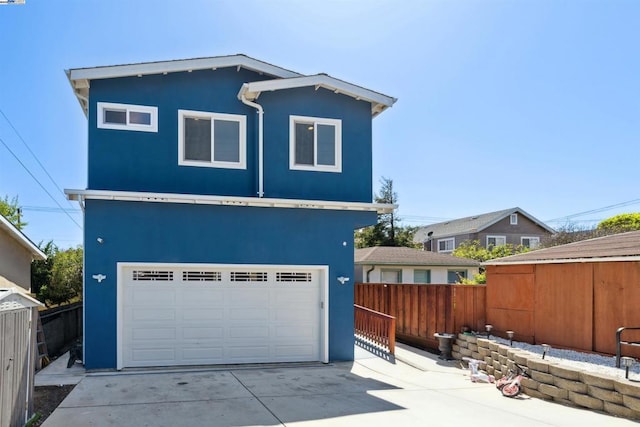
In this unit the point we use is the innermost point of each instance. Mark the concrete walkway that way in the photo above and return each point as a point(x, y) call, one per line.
point(415, 389)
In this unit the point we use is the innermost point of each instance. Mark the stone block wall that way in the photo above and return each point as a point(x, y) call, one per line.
point(552, 381)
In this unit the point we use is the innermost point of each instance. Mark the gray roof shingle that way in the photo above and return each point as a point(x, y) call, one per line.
point(612, 246)
point(389, 255)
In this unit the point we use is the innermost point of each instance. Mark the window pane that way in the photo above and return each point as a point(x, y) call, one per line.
point(391, 276)
point(226, 141)
point(139, 118)
point(115, 116)
point(326, 145)
point(304, 144)
point(197, 139)
point(422, 276)
point(456, 276)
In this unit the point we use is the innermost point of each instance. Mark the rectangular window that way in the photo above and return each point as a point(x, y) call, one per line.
point(211, 139)
point(446, 245)
point(127, 117)
point(513, 219)
point(456, 276)
point(496, 241)
point(391, 276)
point(421, 276)
point(530, 242)
point(315, 144)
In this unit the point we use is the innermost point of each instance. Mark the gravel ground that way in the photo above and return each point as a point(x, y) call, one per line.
point(589, 362)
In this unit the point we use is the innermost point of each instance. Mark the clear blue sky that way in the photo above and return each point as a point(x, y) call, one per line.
point(530, 103)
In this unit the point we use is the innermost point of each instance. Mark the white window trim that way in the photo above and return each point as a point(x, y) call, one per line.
point(497, 237)
point(128, 108)
point(337, 123)
point(452, 239)
point(427, 270)
point(530, 238)
point(461, 270)
point(513, 219)
point(242, 120)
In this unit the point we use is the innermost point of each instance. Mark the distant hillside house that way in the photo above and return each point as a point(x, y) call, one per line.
point(384, 264)
point(510, 226)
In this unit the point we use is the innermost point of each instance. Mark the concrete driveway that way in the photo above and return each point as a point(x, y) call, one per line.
point(417, 391)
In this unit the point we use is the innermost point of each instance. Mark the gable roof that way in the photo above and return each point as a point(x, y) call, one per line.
point(80, 77)
point(19, 237)
point(12, 299)
point(615, 247)
point(471, 224)
point(391, 255)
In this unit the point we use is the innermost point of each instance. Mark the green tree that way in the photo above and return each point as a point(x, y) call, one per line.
point(387, 231)
point(472, 249)
point(10, 209)
point(569, 233)
point(41, 269)
point(620, 223)
point(59, 278)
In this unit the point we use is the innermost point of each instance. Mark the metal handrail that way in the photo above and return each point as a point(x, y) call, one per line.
point(619, 343)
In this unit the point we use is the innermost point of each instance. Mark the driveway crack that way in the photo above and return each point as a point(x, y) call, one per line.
point(258, 399)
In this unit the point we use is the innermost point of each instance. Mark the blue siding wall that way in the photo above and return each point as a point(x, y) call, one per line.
point(174, 233)
point(140, 161)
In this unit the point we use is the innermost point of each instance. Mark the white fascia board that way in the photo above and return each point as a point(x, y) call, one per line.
point(180, 65)
point(380, 102)
point(21, 238)
point(13, 293)
point(567, 260)
point(198, 199)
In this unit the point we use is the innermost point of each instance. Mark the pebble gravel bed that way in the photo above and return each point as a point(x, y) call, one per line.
point(589, 362)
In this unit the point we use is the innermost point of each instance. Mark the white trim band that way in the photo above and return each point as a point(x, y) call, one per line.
point(199, 199)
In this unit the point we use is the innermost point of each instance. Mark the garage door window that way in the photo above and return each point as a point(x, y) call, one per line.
point(152, 275)
point(201, 276)
point(293, 277)
point(248, 276)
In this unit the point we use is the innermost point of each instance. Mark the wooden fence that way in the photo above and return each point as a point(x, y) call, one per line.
point(376, 327)
point(422, 310)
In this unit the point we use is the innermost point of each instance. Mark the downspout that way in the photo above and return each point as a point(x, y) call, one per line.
point(373, 267)
point(258, 107)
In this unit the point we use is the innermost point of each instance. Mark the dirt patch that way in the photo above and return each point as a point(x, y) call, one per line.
point(47, 398)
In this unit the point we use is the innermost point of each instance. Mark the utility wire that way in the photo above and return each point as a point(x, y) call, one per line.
point(39, 183)
point(602, 209)
point(34, 156)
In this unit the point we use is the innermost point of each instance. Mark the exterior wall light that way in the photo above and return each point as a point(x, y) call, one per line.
point(343, 280)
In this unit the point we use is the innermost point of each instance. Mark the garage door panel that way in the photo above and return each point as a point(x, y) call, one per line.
point(213, 315)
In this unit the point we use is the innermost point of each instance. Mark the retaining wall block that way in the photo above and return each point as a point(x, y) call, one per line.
point(455, 347)
point(597, 380)
point(489, 369)
point(497, 366)
point(484, 351)
point(575, 386)
point(535, 393)
point(620, 411)
point(553, 391)
point(476, 355)
point(503, 359)
point(495, 355)
point(605, 395)
point(529, 383)
point(472, 347)
point(521, 358)
point(586, 401)
point(456, 355)
point(625, 387)
point(503, 350)
point(483, 342)
point(463, 343)
point(539, 365)
point(488, 360)
point(471, 339)
point(493, 346)
point(565, 402)
point(564, 372)
point(541, 377)
point(631, 402)
point(465, 352)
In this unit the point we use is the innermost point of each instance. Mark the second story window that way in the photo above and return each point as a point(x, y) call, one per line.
point(127, 117)
point(446, 245)
point(211, 139)
point(315, 144)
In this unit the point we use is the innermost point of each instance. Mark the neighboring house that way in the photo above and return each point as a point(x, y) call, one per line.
point(575, 295)
point(16, 254)
point(510, 226)
point(222, 198)
point(385, 264)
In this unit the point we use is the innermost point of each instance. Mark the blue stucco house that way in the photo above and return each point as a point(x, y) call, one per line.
point(219, 213)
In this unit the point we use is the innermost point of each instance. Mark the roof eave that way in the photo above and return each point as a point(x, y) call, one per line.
point(23, 240)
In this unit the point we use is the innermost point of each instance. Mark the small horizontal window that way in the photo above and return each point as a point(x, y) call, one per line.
point(152, 275)
point(446, 245)
point(293, 277)
point(201, 276)
point(248, 276)
point(496, 241)
point(127, 117)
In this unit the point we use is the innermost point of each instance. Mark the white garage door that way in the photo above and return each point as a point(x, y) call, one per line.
point(196, 315)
